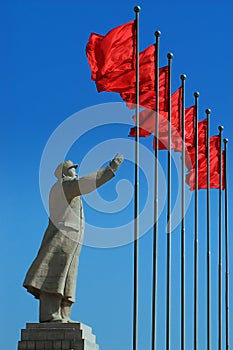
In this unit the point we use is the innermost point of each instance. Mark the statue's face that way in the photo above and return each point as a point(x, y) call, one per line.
point(72, 172)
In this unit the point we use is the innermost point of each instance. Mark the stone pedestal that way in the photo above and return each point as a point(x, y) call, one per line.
point(57, 336)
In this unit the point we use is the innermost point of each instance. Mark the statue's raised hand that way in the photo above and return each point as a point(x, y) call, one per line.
point(116, 161)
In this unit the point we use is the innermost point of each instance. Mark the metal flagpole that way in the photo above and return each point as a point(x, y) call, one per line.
point(168, 297)
point(196, 95)
point(183, 77)
point(220, 128)
point(226, 248)
point(136, 191)
point(155, 229)
point(208, 111)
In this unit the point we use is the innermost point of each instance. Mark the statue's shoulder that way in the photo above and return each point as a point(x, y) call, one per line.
point(67, 185)
point(67, 180)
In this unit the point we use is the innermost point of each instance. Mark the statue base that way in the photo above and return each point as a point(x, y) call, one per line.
point(57, 336)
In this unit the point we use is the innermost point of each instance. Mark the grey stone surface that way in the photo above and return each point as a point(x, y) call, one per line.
point(60, 336)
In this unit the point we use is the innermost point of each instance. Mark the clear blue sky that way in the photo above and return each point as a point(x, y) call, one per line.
point(45, 78)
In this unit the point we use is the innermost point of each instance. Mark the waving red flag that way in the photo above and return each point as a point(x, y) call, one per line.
point(202, 181)
point(176, 136)
point(176, 133)
point(114, 52)
point(112, 61)
point(147, 96)
point(202, 141)
point(215, 149)
point(123, 78)
point(146, 70)
point(147, 122)
point(176, 104)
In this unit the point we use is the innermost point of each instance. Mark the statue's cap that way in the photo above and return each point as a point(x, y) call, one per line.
point(62, 167)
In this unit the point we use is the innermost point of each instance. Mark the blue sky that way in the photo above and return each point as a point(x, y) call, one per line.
point(45, 78)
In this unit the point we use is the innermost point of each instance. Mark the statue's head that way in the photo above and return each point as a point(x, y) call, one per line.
point(67, 168)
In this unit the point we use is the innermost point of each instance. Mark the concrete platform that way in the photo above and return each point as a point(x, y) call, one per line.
point(57, 336)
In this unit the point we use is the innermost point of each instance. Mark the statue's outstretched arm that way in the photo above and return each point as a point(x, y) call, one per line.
point(90, 182)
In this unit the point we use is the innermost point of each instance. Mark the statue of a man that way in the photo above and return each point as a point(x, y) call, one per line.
point(53, 274)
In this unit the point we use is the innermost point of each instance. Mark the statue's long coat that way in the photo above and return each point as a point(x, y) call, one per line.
point(55, 268)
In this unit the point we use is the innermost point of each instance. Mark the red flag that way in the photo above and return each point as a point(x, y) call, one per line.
point(176, 136)
point(147, 122)
point(202, 182)
point(202, 141)
point(123, 80)
point(215, 149)
point(176, 104)
point(112, 61)
point(147, 96)
point(176, 133)
point(114, 52)
point(190, 116)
